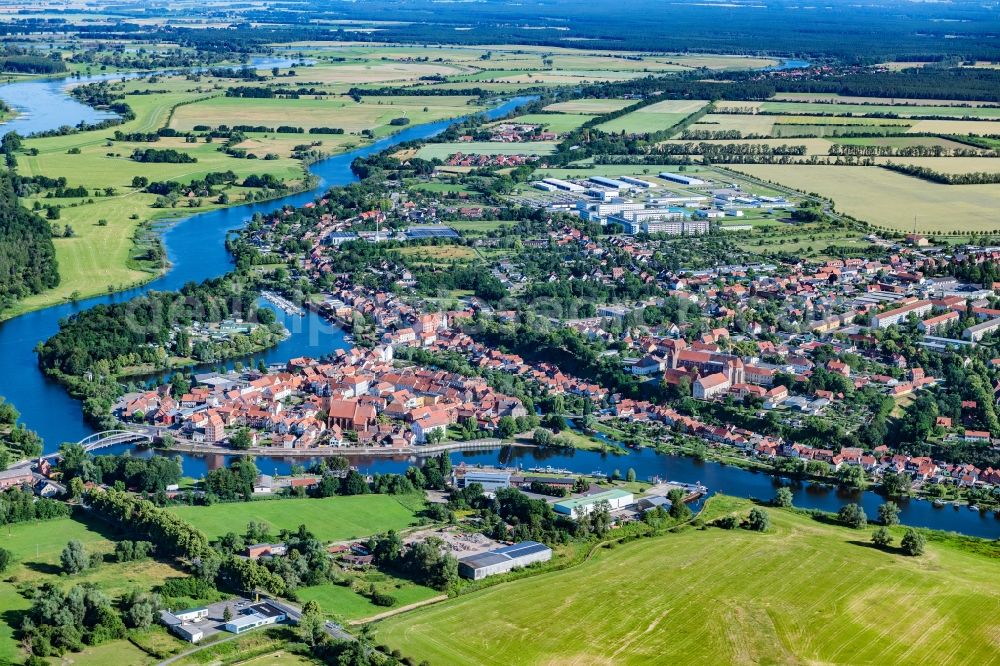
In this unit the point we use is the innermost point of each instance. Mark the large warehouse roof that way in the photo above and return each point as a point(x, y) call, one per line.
point(571, 505)
point(504, 554)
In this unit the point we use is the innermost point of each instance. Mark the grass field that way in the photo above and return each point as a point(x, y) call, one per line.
point(330, 519)
point(890, 199)
point(590, 106)
point(445, 150)
point(803, 593)
point(900, 141)
point(438, 254)
point(653, 118)
point(36, 548)
point(373, 113)
point(345, 604)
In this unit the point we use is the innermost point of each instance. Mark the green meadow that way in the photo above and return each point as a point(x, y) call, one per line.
point(804, 592)
point(36, 548)
point(330, 518)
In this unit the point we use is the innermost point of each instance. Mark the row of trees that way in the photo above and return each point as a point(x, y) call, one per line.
point(27, 257)
point(131, 514)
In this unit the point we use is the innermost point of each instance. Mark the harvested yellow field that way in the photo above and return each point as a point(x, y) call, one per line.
point(890, 199)
point(980, 127)
point(686, 106)
point(949, 164)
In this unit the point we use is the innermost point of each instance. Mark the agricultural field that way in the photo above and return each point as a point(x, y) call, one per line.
point(797, 126)
point(851, 99)
point(373, 113)
point(951, 165)
point(443, 151)
point(36, 548)
point(805, 592)
point(901, 142)
point(590, 106)
point(888, 199)
point(974, 127)
point(372, 72)
point(793, 108)
point(330, 518)
point(653, 118)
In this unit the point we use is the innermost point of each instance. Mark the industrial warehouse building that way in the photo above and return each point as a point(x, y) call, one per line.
point(503, 559)
point(490, 479)
point(581, 506)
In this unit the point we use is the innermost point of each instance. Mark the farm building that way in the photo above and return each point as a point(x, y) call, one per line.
point(503, 559)
point(581, 506)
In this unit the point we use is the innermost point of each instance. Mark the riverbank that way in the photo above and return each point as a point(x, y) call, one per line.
point(328, 451)
point(723, 455)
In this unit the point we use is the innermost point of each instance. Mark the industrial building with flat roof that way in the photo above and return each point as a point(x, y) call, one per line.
point(490, 479)
point(582, 506)
point(504, 559)
point(683, 180)
point(258, 615)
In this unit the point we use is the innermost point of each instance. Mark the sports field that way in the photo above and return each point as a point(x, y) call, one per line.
point(655, 117)
point(890, 199)
point(803, 593)
point(330, 519)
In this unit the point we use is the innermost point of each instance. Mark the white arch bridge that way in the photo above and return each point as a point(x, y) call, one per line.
point(99, 440)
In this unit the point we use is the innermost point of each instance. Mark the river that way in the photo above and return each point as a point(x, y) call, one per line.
point(196, 249)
